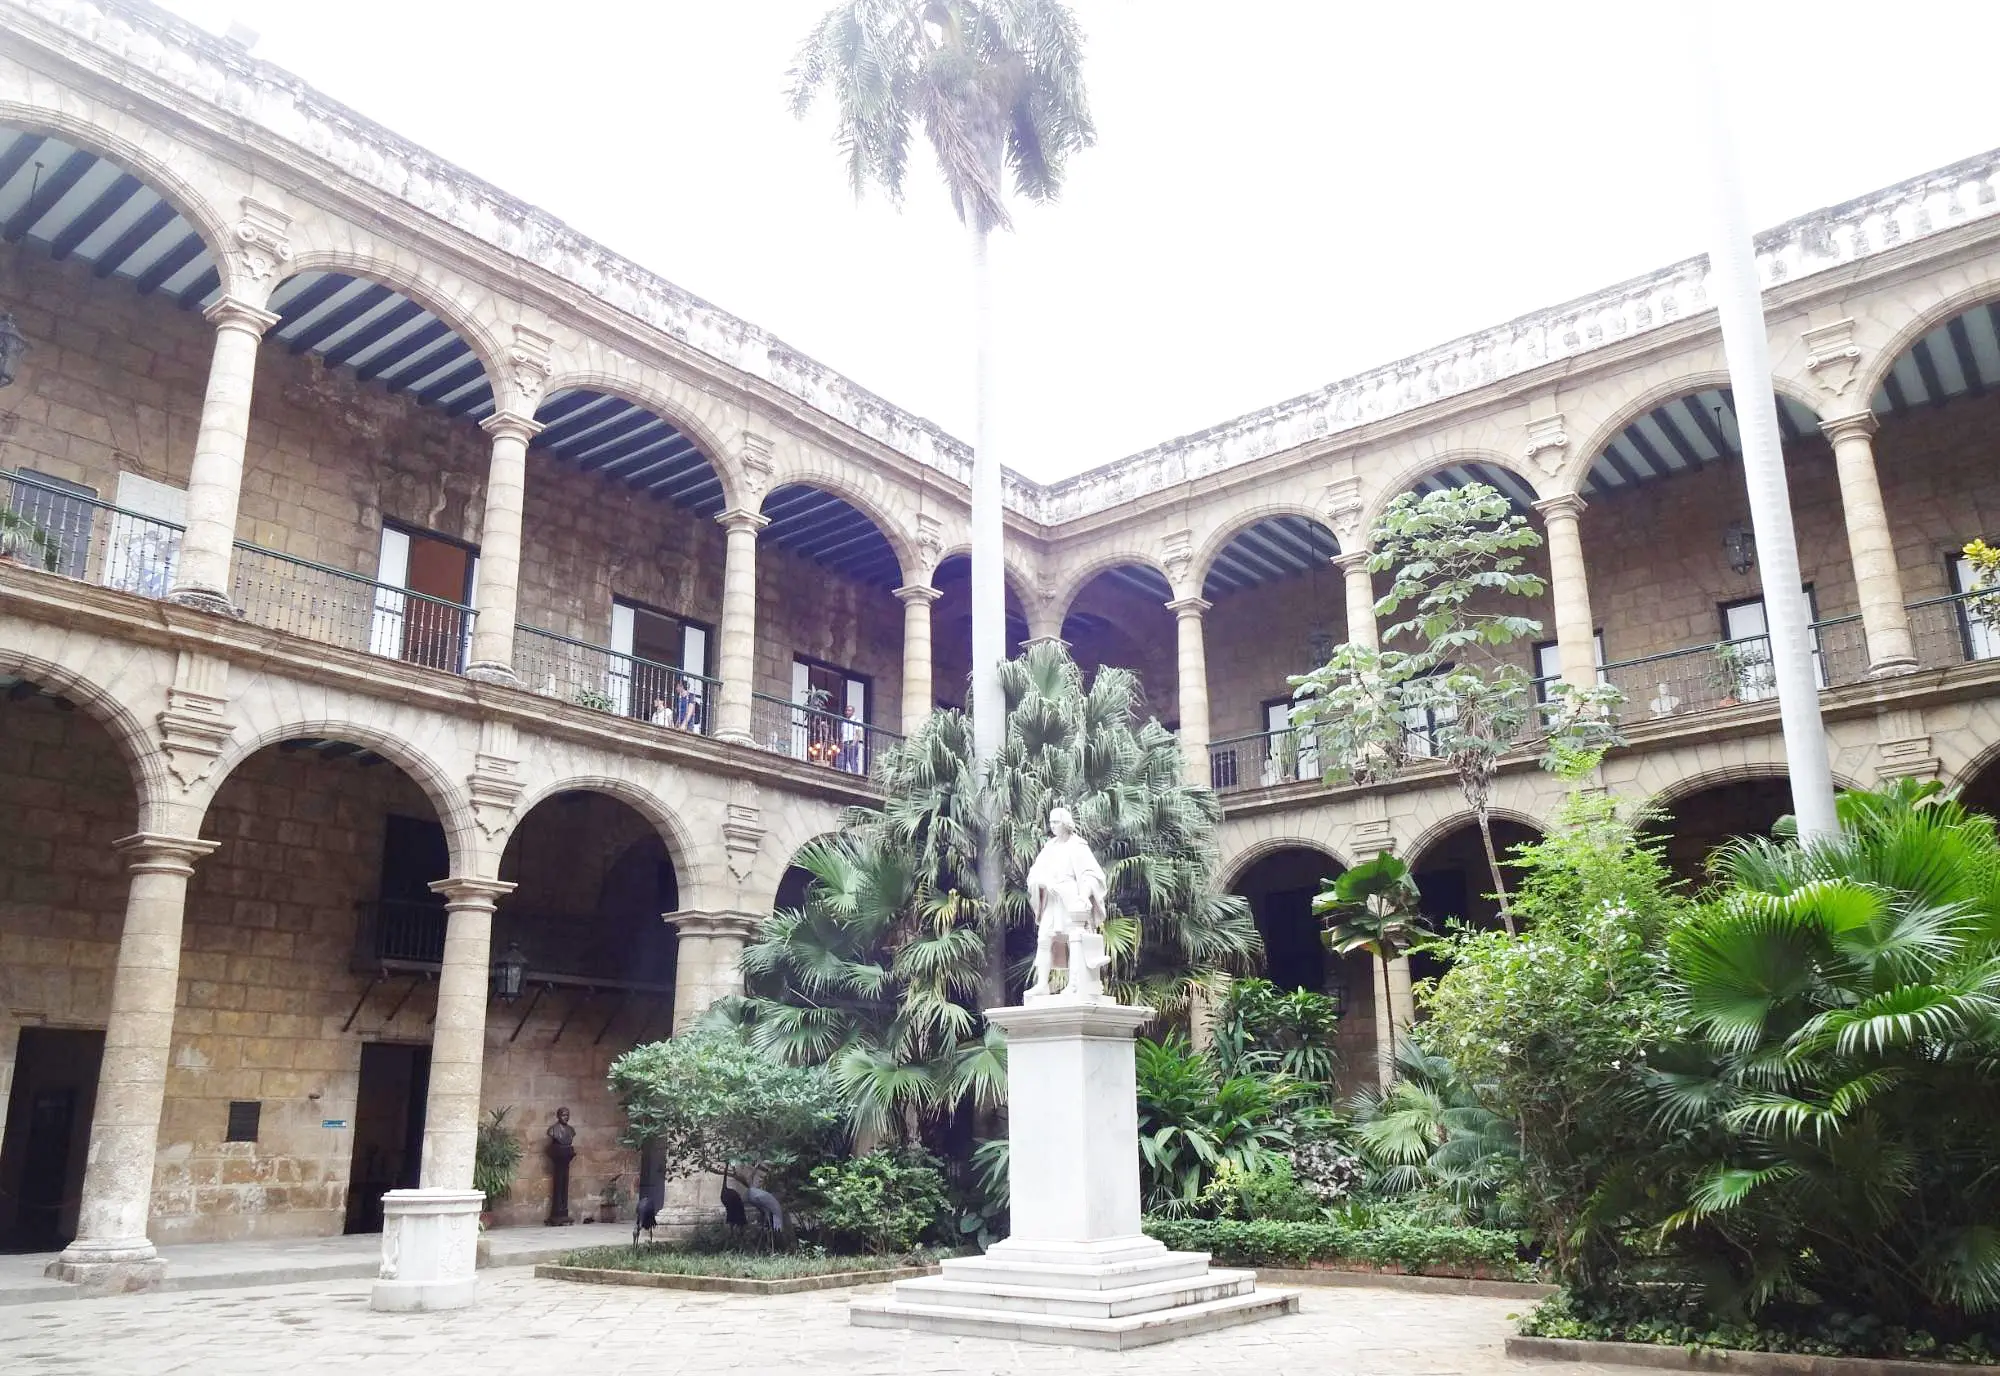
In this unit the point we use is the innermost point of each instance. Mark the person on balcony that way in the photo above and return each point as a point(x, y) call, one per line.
point(663, 715)
point(852, 736)
point(687, 706)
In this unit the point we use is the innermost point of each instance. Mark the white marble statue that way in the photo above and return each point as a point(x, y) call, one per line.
point(1066, 888)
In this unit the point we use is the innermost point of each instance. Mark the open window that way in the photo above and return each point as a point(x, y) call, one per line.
point(659, 667)
point(1289, 753)
point(1746, 632)
point(1979, 637)
point(1548, 664)
point(830, 713)
point(425, 584)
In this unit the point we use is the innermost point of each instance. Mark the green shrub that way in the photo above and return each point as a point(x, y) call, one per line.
point(1273, 1242)
point(883, 1202)
point(1267, 1189)
point(1192, 1119)
point(1676, 1318)
point(674, 1260)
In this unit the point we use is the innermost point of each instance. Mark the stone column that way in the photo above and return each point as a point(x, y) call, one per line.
point(111, 1252)
point(736, 661)
point(708, 955)
point(917, 690)
point(1877, 580)
point(430, 1235)
point(1576, 632)
point(1193, 661)
point(1360, 598)
point(497, 592)
point(215, 481)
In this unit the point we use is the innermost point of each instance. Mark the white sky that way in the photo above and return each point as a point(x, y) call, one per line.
point(1284, 192)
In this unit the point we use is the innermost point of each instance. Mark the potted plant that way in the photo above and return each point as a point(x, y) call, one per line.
point(25, 542)
point(496, 1159)
point(1725, 672)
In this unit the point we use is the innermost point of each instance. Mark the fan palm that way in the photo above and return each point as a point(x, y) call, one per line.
point(998, 87)
point(1372, 908)
point(1429, 1128)
point(883, 971)
point(1846, 994)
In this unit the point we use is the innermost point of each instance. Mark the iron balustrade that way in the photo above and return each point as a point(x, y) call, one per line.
point(333, 607)
point(399, 929)
point(817, 736)
point(1946, 631)
point(1727, 673)
point(1264, 759)
point(605, 680)
point(78, 536)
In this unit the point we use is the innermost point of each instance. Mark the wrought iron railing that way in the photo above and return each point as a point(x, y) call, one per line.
point(1945, 631)
point(77, 536)
point(812, 734)
point(334, 607)
point(602, 679)
point(1728, 673)
point(400, 929)
point(1262, 760)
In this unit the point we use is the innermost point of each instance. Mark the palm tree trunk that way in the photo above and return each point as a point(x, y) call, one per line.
point(1389, 998)
point(989, 575)
point(1493, 867)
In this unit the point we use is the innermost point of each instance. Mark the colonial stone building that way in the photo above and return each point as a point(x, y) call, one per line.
point(407, 602)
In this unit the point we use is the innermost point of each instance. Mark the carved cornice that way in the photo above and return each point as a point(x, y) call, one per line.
point(193, 731)
point(1832, 356)
point(1547, 441)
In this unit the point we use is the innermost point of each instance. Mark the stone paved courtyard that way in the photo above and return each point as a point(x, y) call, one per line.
point(526, 1325)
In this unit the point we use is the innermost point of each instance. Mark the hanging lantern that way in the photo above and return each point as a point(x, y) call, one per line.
point(12, 345)
point(510, 972)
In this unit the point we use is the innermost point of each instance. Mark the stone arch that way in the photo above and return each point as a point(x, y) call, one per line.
point(152, 786)
point(1920, 321)
point(1018, 579)
point(835, 484)
point(1416, 472)
point(454, 810)
point(1238, 865)
point(434, 296)
point(671, 410)
point(1074, 585)
point(1445, 826)
point(1577, 468)
point(1970, 771)
point(207, 219)
point(779, 892)
point(1664, 798)
point(681, 849)
point(1211, 549)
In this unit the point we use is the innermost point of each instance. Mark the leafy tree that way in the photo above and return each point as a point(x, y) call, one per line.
point(1552, 1032)
point(998, 87)
point(1371, 908)
point(881, 976)
point(718, 1106)
point(1845, 995)
point(1455, 694)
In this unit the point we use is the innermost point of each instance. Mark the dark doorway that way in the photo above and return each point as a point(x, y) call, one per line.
point(1694, 827)
point(48, 1137)
point(388, 1129)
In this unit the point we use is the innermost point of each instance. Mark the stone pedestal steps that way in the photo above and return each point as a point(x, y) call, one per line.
point(1129, 1304)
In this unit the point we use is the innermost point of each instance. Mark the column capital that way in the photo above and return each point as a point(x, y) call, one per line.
point(232, 313)
point(736, 518)
point(1563, 504)
point(511, 425)
point(917, 592)
point(468, 891)
point(154, 852)
point(1859, 425)
point(727, 923)
point(1350, 560)
point(1189, 606)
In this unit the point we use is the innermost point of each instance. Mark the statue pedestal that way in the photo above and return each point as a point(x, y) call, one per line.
point(1077, 1269)
point(430, 1250)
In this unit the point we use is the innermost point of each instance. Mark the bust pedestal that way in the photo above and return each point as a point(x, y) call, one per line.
point(1077, 1269)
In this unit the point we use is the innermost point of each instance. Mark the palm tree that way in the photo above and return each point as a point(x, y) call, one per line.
point(1372, 908)
point(997, 86)
point(882, 973)
point(1844, 995)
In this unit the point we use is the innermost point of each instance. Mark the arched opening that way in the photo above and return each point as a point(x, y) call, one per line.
point(593, 881)
point(309, 961)
point(1695, 824)
point(1981, 790)
point(68, 796)
point(951, 629)
point(1120, 619)
point(1937, 405)
point(1278, 608)
point(641, 641)
point(105, 277)
point(1455, 882)
point(1687, 629)
point(829, 680)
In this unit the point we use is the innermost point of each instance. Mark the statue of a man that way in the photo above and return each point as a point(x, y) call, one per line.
point(562, 1151)
point(1066, 888)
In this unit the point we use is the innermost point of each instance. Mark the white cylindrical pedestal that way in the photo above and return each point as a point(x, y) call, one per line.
point(430, 1250)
